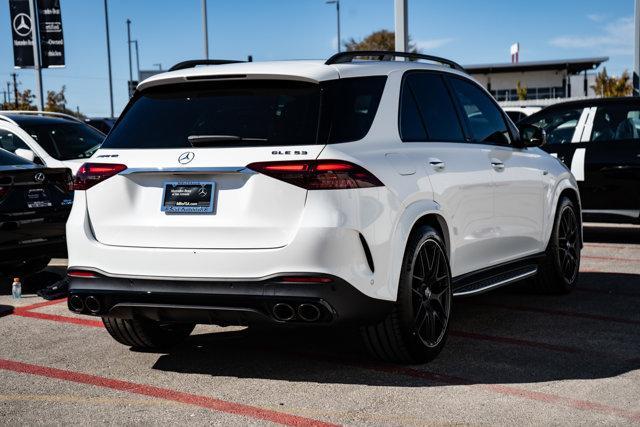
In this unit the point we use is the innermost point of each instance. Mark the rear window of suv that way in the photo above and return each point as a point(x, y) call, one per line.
point(248, 113)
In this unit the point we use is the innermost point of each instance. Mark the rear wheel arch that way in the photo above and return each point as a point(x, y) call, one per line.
point(571, 194)
point(438, 222)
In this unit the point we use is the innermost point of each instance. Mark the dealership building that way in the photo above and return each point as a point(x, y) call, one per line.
point(563, 78)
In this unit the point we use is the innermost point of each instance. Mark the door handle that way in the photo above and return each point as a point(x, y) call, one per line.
point(497, 165)
point(437, 164)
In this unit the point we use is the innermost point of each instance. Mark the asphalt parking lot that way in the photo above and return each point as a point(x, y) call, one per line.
point(512, 357)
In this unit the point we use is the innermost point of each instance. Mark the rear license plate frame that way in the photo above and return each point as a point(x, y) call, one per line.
point(189, 206)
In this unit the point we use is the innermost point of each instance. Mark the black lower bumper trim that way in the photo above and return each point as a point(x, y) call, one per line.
point(225, 302)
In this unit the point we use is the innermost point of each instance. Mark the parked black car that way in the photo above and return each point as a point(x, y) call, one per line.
point(599, 140)
point(35, 202)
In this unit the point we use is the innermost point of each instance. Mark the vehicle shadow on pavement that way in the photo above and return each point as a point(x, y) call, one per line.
point(509, 336)
point(34, 282)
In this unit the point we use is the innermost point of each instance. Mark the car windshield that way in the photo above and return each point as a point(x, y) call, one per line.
point(248, 113)
point(66, 141)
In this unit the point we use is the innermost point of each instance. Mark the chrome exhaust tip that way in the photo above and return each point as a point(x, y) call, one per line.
point(93, 304)
point(308, 312)
point(283, 312)
point(76, 304)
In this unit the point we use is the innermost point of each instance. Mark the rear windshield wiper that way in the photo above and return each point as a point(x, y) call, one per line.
point(208, 140)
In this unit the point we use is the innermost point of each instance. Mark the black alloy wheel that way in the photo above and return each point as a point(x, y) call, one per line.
point(430, 294)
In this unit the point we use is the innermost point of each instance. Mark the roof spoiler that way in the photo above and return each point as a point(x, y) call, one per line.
point(381, 55)
point(195, 62)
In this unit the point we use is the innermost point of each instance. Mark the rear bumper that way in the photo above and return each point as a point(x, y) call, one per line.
point(226, 302)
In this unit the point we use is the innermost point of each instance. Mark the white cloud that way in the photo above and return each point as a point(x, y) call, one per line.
point(432, 44)
point(596, 17)
point(615, 38)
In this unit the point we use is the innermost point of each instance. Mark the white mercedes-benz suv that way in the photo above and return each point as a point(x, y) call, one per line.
point(365, 192)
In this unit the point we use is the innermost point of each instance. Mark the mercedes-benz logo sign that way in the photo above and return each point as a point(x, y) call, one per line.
point(186, 157)
point(22, 24)
point(203, 192)
point(39, 177)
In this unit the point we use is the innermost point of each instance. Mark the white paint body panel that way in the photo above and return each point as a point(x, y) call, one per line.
point(266, 227)
point(49, 161)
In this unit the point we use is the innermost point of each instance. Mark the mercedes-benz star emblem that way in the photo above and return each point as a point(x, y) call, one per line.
point(203, 192)
point(186, 157)
point(39, 177)
point(22, 24)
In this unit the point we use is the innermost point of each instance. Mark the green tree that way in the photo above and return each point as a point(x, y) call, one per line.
point(610, 86)
point(378, 40)
point(521, 91)
point(25, 101)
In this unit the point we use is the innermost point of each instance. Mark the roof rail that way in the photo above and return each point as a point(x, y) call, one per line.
point(382, 55)
point(41, 113)
point(7, 119)
point(194, 62)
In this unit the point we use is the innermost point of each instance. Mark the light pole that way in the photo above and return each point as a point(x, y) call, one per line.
point(129, 48)
point(205, 29)
point(135, 42)
point(402, 33)
point(337, 3)
point(37, 64)
point(106, 20)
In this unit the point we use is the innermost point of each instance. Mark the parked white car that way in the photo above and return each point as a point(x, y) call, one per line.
point(52, 139)
point(315, 193)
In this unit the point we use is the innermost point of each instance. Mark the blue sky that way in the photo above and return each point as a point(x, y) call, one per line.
point(468, 31)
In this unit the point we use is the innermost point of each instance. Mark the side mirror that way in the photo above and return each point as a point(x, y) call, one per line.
point(532, 136)
point(25, 154)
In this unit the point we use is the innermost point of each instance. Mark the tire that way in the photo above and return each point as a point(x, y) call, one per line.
point(558, 273)
point(424, 299)
point(147, 334)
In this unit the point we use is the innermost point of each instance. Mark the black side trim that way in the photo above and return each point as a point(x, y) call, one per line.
point(475, 279)
point(367, 252)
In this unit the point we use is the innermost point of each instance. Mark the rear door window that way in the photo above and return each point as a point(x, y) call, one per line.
point(616, 123)
point(427, 112)
point(483, 115)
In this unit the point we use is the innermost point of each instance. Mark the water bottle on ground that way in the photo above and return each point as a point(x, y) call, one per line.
point(16, 288)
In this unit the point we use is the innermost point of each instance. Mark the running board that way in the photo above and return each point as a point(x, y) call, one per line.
point(496, 281)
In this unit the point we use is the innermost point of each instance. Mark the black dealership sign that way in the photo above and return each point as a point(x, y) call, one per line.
point(51, 38)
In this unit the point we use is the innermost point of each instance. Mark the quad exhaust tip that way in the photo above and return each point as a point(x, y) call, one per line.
point(92, 304)
point(76, 304)
point(308, 312)
point(283, 312)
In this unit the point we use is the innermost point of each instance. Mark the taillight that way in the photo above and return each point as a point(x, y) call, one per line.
point(319, 174)
point(91, 174)
point(4, 191)
point(82, 274)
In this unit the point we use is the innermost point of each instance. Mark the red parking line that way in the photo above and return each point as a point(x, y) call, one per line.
point(515, 341)
point(162, 393)
point(568, 313)
point(61, 319)
point(40, 304)
point(608, 258)
point(549, 398)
